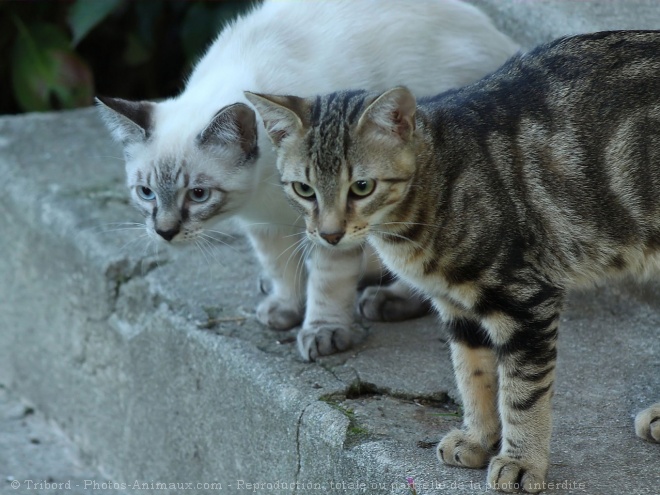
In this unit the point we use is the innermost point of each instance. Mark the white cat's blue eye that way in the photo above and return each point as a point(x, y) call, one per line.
point(145, 193)
point(303, 190)
point(363, 188)
point(199, 194)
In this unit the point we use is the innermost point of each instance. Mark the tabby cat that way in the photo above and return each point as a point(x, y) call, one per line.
point(198, 158)
point(493, 200)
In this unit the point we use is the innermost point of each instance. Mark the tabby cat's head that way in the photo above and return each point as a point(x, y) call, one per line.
point(346, 159)
point(184, 173)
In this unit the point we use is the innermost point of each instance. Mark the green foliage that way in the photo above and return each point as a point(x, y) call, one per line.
point(85, 14)
point(46, 73)
point(57, 55)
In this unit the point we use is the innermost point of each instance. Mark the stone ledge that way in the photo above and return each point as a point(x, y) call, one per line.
point(153, 364)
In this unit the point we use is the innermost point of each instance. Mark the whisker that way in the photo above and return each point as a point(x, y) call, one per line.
point(131, 241)
point(212, 249)
point(296, 245)
point(257, 224)
point(299, 252)
point(220, 232)
point(208, 238)
point(308, 251)
point(199, 245)
point(294, 235)
point(121, 159)
point(414, 243)
point(113, 227)
point(407, 223)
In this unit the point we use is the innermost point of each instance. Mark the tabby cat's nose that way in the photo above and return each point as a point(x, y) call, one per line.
point(168, 235)
point(332, 238)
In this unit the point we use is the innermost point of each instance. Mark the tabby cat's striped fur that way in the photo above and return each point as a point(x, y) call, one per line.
point(493, 200)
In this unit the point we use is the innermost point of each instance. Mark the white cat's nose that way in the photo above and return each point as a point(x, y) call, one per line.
point(332, 238)
point(168, 235)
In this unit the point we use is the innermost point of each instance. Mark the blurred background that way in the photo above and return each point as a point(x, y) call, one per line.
point(59, 54)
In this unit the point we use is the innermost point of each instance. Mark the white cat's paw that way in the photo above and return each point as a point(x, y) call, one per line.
point(647, 424)
point(507, 474)
point(458, 448)
point(315, 341)
point(264, 285)
point(379, 303)
point(279, 314)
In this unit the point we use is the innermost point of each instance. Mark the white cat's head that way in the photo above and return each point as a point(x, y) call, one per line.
point(181, 177)
point(346, 159)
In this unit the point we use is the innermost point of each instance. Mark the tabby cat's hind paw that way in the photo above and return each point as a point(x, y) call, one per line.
point(647, 424)
point(458, 448)
point(378, 303)
point(279, 314)
point(507, 474)
point(323, 340)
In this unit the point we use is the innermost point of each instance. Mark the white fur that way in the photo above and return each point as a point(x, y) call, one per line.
point(307, 48)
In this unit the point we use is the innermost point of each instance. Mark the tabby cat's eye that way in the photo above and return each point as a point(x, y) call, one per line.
point(363, 188)
point(199, 194)
point(145, 193)
point(303, 190)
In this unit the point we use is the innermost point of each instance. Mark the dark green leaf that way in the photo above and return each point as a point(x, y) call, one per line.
point(85, 14)
point(46, 73)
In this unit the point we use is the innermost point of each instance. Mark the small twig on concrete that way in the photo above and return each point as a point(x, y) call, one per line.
point(225, 319)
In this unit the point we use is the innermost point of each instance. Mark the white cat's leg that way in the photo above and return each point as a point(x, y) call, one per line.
point(475, 368)
point(647, 424)
point(394, 302)
point(331, 289)
point(282, 261)
point(373, 271)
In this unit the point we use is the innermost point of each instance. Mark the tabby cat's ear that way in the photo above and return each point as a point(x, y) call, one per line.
point(235, 123)
point(282, 115)
point(391, 115)
point(128, 121)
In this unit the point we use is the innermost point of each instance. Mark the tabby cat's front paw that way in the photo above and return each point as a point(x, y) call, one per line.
point(507, 474)
point(315, 341)
point(458, 448)
point(647, 424)
point(379, 303)
point(279, 314)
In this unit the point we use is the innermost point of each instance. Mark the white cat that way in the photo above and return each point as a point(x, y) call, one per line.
point(202, 156)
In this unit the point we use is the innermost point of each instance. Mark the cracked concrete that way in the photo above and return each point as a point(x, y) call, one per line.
point(153, 365)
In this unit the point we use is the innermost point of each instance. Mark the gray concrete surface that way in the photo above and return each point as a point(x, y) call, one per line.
point(152, 364)
point(37, 456)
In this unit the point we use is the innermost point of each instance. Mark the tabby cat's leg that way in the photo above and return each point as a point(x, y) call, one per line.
point(647, 424)
point(328, 326)
point(527, 354)
point(284, 267)
point(394, 302)
point(475, 367)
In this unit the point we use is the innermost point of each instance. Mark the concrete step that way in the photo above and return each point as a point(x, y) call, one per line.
point(153, 364)
point(37, 457)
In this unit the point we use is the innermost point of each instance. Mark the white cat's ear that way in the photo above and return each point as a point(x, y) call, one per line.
point(128, 121)
point(233, 124)
point(282, 115)
point(392, 114)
